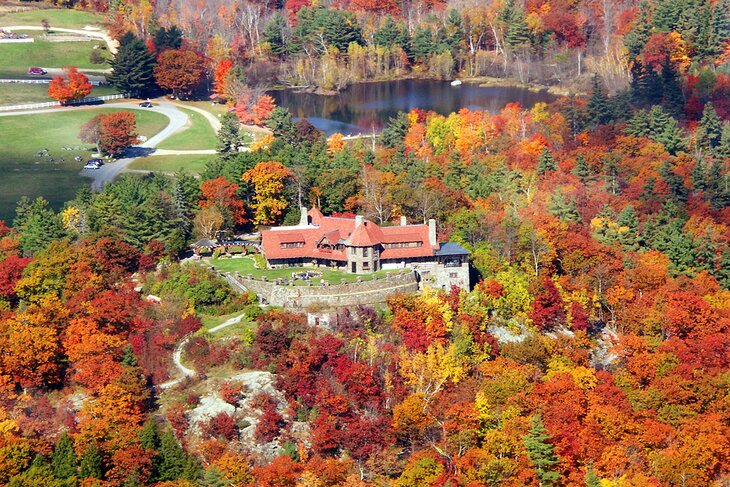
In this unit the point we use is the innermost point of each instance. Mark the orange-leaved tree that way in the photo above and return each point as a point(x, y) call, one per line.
point(268, 180)
point(73, 86)
point(180, 71)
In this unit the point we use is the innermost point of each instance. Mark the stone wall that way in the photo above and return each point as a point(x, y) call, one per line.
point(331, 296)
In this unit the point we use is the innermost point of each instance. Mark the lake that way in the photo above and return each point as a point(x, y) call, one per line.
point(365, 107)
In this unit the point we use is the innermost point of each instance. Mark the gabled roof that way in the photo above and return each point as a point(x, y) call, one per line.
point(452, 248)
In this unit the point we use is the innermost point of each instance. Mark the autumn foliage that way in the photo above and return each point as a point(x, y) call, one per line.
point(71, 86)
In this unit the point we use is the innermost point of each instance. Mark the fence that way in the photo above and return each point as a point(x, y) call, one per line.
point(43, 81)
point(85, 101)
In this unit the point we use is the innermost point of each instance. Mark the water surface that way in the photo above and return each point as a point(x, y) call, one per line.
point(365, 107)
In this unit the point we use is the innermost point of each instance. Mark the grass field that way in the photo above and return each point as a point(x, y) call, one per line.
point(235, 329)
point(15, 59)
point(169, 164)
point(18, 94)
point(245, 266)
point(208, 106)
point(70, 19)
point(24, 174)
point(197, 135)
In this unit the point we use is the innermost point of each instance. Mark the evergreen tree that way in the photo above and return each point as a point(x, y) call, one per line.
point(699, 177)
point(720, 26)
point(673, 101)
point(723, 148)
point(388, 33)
point(581, 169)
point(709, 131)
point(63, 459)
point(213, 478)
point(628, 223)
point(636, 39)
point(518, 34)
point(281, 124)
point(149, 436)
point(422, 44)
point(229, 136)
point(546, 162)
point(599, 109)
point(277, 33)
point(610, 170)
point(564, 208)
point(722, 269)
point(193, 470)
point(172, 457)
point(132, 67)
point(395, 131)
point(91, 463)
point(620, 105)
point(38, 224)
point(541, 452)
point(592, 479)
point(168, 38)
point(574, 116)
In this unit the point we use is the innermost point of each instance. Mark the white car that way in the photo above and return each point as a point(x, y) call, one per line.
point(94, 164)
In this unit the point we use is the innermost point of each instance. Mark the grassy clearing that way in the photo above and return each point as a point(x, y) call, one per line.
point(18, 94)
point(244, 266)
point(198, 134)
point(194, 163)
point(15, 59)
point(232, 330)
point(24, 174)
point(207, 105)
point(67, 18)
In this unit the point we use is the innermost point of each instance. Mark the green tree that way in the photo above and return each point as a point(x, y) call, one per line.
point(581, 169)
point(673, 101)
point(564, 208)
point(38, 225)
point(63, 459)
point(149, 435)
point(172, 457)
point(517, 33)
point(546, 162)
point(592, 479)
point(168, 38)
point(92, 463)
point(193, 470)
point(628, 223)
point(721, 25)
point(709, 131)
point(636, 39)
point(395, 131)
point(133, 67)
point(277, 33)
point(599, 108)
point(541, 452)
point(229, 136)
point(282, 125)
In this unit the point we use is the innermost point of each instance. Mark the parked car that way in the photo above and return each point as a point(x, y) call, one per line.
point(37, 71)
point(146, 104)
point(94, 164)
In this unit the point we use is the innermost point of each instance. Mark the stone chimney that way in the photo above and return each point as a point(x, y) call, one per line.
point(303, 217)
point(359, 220)
point(432, 232)
point(403, 221)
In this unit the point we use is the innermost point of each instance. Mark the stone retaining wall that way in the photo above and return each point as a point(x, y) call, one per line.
point(331, 296)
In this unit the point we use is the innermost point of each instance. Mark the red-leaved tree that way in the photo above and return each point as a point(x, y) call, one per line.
point(179, 70)
point(73, 86)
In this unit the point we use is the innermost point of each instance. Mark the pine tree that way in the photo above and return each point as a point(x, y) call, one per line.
point(722, 269)
point(610, 169)
point(133, 67)
point(518, 33)
point(541, 452)
point(213, 478)
point(709, 131)
point(592, 479)
point(149, 435)
point(673, 101)
point(723, 149)
point(564, 208)
point(229, 136)
point(546, 162)
point(581, 169)
point(599, 109)
point(91, 463)
point(628, 223)
point(699, 177)
point(639, 35)
point(172, 457)
point(193, 470)
point(720, 26)
point(64, 459)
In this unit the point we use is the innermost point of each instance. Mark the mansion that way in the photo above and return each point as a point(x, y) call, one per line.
point(359, 246)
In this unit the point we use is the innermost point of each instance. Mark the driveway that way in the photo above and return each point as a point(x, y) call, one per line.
point(111, 44)
point(107, 173)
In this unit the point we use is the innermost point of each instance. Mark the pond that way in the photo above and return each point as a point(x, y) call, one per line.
point(365, 107)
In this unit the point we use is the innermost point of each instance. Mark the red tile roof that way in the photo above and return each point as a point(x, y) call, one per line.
point(344, 230)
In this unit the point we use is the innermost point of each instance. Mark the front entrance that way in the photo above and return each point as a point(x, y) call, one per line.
point(353, 267)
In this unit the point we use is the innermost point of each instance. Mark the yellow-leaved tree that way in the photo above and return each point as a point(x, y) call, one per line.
point(268, 179)
point(428, 372)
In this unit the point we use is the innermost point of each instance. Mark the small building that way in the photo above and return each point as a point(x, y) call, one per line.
point(359, 246)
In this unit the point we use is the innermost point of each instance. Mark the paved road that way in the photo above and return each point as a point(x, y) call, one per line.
point(108, 172)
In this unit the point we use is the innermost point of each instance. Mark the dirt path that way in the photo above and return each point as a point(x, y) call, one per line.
point(177, 354)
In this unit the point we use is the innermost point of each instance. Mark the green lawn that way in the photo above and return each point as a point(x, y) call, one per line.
point(15, 59)
point(208, 106)
point(198, 134)
point(23, 174)
point(235, 329)
point(245, 266)
point(169, 164)
point(18, 94)
point(68, 18)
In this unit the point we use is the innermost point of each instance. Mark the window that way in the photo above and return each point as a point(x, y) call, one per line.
point(366, 265)
point(364, 251)
point(291, 245)
point(452, 275)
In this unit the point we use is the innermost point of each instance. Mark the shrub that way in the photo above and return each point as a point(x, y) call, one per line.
point(221, 426)
point(269, 424)
point(232, 392)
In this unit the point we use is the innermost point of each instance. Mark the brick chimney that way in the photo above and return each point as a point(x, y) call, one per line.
point(359, 220)
point(432, 232)
point(303, 217)
point(403, 221)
